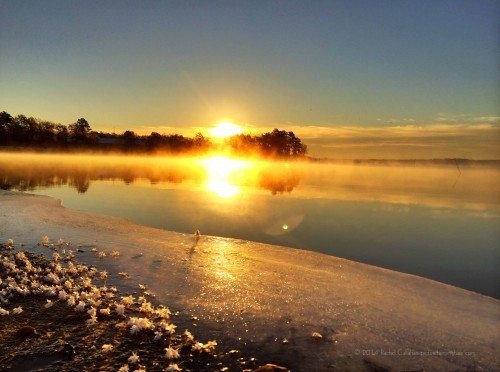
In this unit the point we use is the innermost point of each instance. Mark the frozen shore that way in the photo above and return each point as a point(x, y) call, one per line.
point(269, 300)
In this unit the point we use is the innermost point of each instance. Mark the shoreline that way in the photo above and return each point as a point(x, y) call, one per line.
point(81, 323)
point(257, 295)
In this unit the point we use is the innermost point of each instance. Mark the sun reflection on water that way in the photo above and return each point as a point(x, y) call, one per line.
point(221, 173)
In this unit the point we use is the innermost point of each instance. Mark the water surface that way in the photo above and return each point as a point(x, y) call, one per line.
point(436, 221)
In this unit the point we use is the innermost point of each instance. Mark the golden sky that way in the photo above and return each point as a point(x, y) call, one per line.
point(352, 78)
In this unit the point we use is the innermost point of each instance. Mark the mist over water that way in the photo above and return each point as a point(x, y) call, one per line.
point(437, 221)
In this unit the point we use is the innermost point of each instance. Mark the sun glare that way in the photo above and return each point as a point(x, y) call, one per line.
point(219, 171)
point(225, 129)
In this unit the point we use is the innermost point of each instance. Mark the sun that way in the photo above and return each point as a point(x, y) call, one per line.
point(225, 129)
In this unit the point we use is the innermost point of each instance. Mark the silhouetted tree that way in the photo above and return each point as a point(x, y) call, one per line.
point(61, 135)
point(201, 142)
point(278, 143)
point(129, 138)
point(28, 131)
point(45, 133)
point(176, 142)
point(93, 138)
point(80, 131)
point(244, 144)
point(19, 130)
point(5, 125)
point(153, 141)
point(282, 143)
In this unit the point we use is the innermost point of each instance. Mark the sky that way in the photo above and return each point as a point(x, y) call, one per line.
point(351, 78)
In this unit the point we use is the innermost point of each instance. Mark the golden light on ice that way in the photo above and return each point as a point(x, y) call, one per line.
point(219, 171)
point(225, 129)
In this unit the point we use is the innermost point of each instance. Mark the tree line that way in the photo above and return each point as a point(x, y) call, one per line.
point(23, 131)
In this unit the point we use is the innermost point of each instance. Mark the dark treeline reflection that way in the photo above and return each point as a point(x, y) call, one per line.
point(279, 182)
point(30, 172)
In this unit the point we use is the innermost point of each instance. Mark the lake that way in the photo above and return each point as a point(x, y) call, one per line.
point(436, 220)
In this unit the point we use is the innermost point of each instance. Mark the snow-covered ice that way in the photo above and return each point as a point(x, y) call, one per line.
point(258, 295)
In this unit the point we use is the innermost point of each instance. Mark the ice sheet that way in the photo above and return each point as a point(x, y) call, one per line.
point(256, 295)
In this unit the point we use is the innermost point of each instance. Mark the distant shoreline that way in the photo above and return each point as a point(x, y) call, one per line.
point(437, 161)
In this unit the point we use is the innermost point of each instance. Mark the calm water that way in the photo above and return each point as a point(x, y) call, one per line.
point(440, 222)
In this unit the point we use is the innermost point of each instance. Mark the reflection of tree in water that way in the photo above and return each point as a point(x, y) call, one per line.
point(27, 182)
point(29, 176)
point(24, 177)
point(279, 182)
point(128, 179)
point(80, 182)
